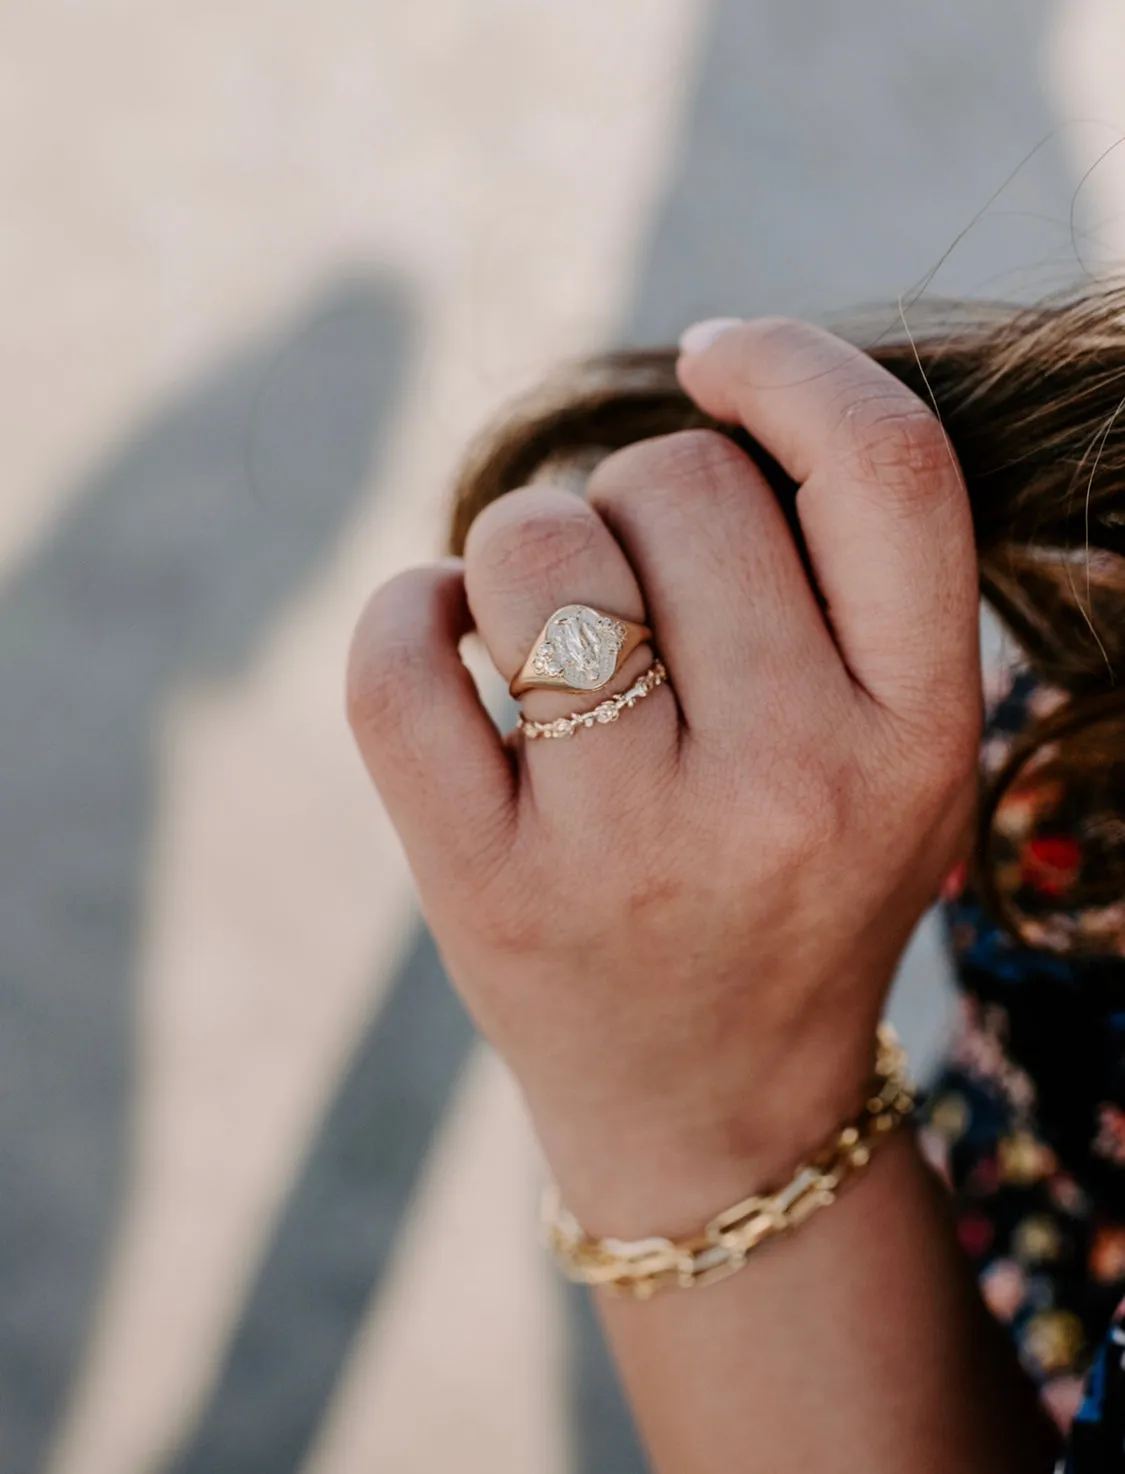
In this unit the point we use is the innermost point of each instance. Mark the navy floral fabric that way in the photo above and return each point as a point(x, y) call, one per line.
point(1027, 1118)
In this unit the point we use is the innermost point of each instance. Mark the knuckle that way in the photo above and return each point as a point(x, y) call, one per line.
point(811, 817)
point(684, 463)
point(676, 488)
point(805, 804)
point(528, 544)
point(699, 460)
point(895, 443)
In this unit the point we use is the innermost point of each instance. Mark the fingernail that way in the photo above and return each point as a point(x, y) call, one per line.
point(702, 334)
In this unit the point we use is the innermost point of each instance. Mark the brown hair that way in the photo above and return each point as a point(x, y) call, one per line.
point(1033, 401)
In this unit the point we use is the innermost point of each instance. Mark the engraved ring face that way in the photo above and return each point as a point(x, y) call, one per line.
point(580, 646)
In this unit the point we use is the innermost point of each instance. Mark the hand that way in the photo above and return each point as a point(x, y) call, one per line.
point(680, 928)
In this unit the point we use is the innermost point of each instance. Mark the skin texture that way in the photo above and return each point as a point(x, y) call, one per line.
point(680, 929)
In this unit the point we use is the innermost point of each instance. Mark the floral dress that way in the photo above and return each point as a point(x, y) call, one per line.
point(1027, 1118)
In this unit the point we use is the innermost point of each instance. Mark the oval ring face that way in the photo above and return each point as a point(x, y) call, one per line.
point(580, 646)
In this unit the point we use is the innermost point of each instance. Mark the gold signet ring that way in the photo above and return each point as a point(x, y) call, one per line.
point(579, 649)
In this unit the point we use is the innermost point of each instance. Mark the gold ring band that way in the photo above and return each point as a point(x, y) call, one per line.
point(605, 711)
point(579, 649)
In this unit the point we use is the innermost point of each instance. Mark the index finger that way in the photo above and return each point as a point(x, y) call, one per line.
point(422, 730)
point(881, 503)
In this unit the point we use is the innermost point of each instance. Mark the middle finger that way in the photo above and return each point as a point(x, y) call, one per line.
point(733, 609)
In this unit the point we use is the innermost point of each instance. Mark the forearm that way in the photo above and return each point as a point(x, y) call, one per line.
point(856, 1343)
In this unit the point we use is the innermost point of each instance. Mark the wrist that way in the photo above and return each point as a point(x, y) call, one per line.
point(667, 1165)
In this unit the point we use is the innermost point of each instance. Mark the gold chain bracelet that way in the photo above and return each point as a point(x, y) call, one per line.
point(640, 1267)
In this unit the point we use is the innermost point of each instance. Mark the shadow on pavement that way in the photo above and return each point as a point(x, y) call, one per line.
point(332, 1244)
point(173, 560)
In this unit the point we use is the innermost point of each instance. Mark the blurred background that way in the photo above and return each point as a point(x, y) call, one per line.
point(265, 1206)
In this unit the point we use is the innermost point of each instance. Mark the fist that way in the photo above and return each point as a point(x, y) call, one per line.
point(679, 928)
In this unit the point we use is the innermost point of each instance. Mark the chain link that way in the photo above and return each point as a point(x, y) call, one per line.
point(641, 1267)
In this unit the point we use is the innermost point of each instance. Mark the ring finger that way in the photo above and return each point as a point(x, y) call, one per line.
point(529, 553)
